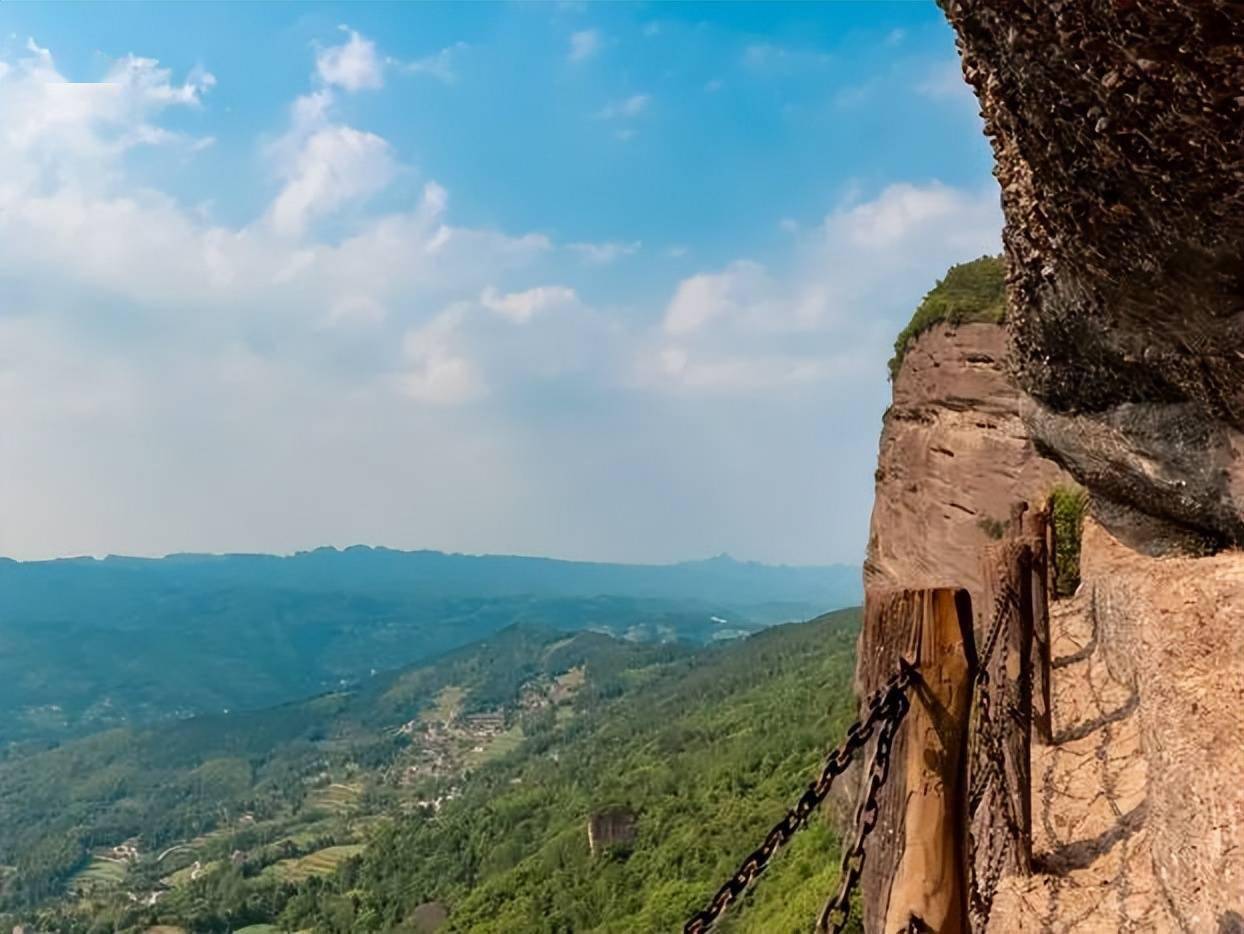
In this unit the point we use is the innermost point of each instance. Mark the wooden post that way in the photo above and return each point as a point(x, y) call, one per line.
point(928, 886)
point(1008, 574)
point(1042, 559)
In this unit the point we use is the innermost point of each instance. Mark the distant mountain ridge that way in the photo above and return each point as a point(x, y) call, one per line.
point(90, 643)
point(365, 567)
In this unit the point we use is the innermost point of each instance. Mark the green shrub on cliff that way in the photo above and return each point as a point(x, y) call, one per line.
point(1069, 505)
point(972, 291)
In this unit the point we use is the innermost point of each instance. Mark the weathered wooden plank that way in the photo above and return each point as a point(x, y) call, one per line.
point(1007, 571)
point(883, 638)
point(928, 884)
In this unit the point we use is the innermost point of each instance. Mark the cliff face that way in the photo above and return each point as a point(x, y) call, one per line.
point(1118, 127)
point(954, 458)
point(1138, 807)
point(1118, 131)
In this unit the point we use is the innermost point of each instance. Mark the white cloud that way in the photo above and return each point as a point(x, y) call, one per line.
point(353, 65)
point(55, 130)
point(944, 82)
point(439, 65)
point(584, 45)
point(903, 208)
point(770, 57)
point(831, 310)
point(437, 374)
point(143, 78)
point(338, 369)
point(335, 165)
point(602, 254)
point(521, 307)
point(627, 107)
point(703, 297)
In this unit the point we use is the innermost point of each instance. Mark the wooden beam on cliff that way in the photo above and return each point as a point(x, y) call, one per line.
point(1040, 534)
point(1000, 765)
point(928, 890)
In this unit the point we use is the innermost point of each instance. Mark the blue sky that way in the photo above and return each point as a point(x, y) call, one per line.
point(607, 281)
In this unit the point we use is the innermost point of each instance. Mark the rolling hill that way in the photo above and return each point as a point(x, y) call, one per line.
point(92, 644)
point(461, 787)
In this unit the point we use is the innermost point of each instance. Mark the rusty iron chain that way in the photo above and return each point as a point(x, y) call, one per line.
point(837, 910)
point(987, 774)
point(886, 706)
point(1002, 606)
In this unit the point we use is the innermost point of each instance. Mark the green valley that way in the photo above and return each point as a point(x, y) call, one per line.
point(453, 795)
point(127, 642)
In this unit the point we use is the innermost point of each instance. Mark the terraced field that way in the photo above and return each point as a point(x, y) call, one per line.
point(336, 798)
point(497, 747)
point(188, 874)
point(319, 863)
point(99, 873)
point(448, 705)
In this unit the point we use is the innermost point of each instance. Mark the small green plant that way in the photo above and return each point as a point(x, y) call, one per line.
point(1068, 505)
point(974, 291)
point(994, 528)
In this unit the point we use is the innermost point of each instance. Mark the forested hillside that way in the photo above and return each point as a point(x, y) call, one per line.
point(92, 644)
point(698, 751)
point(169, 783)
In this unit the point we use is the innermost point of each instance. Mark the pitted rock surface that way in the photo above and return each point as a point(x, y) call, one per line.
point(954, 458)
point(1118, 131)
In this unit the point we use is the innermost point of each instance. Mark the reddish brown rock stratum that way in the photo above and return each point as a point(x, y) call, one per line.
point(954, 458)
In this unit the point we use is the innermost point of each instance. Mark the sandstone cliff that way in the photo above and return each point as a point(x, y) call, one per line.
point(954, 458)
point(1118, 131)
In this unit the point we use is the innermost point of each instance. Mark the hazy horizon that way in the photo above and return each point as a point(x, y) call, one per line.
point(604, 282)
point(704, 559)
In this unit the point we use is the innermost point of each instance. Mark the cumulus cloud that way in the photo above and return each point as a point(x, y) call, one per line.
point(903, 209)
point(703, 297)
point(56, 130)
point(353, 65)
point(333, 166)
point(354, 364)
point(745, 328)
point(522, 306)
point(436, 373)
point(601, 254)
point(439, 65)
point(631, 106)
point(584, 44)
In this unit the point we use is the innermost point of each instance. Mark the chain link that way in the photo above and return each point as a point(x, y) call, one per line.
point(988, 781)
point(837, 910)
point(886, 706)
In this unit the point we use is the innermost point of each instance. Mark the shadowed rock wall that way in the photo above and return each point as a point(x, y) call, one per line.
point(1118, 131)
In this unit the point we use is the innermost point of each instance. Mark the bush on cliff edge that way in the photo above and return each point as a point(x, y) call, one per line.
point(972, 291)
